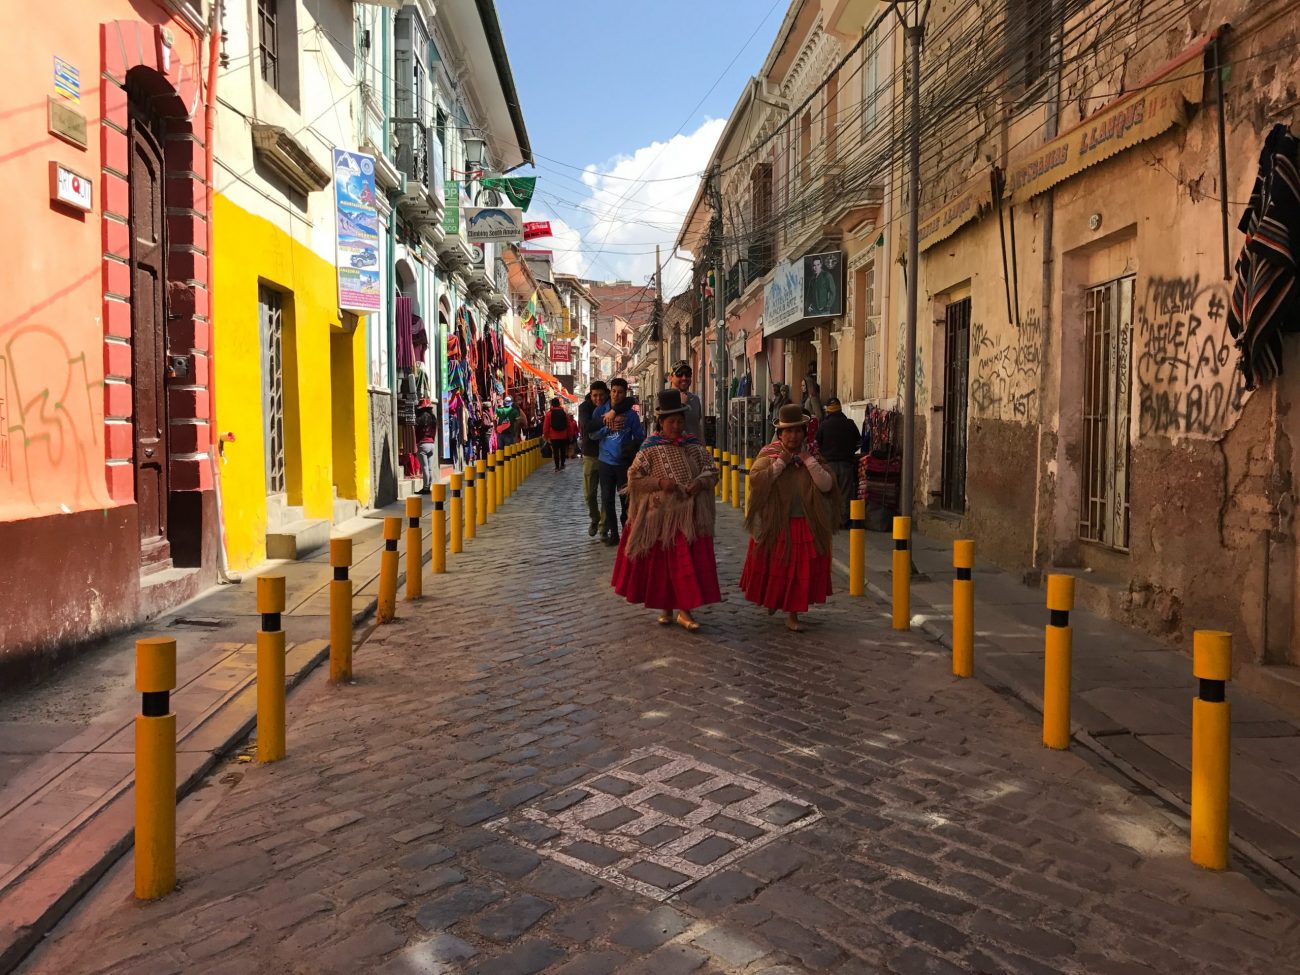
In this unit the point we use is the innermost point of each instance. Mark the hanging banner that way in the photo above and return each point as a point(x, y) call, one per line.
point(1144, 113)
point(783, 297)
point(451, 215)
point(488, 224)
point(561, 351)
point(537, 228)
point(517, 189)
point(356, 251)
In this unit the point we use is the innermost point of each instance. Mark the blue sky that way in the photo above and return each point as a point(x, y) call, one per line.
point(612, 86)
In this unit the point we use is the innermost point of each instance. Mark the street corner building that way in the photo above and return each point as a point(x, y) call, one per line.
point(1081, 400)
point(107, 508)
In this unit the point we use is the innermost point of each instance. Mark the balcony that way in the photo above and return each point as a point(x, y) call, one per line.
point(419, 158)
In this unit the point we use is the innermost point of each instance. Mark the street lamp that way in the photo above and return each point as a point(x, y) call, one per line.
point(473, 153)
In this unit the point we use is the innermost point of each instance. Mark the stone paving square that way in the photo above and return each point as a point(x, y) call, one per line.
point(682, 821)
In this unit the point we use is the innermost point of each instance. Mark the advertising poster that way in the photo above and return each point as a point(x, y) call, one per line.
point(783, 297)
point(561, 352)
point(492, 224)
point(823, 284)
point(357, 233)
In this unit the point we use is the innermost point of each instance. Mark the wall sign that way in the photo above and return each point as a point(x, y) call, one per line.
point(70, 188)
point(67, 123)
point(356, 244)
point(67, 80)
point(561, 352)
point(483, 224)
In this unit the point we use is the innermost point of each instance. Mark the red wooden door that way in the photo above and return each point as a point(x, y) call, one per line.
point(148, 340)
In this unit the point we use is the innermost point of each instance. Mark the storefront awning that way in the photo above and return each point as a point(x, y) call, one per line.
point(942, 222)
point(1156, 104)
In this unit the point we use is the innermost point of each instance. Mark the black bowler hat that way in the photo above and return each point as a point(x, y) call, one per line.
point(670, 402)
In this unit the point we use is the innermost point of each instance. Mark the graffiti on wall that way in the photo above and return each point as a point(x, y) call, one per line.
point(1187, 376)
point(1006, 368)
point(49, 422)
point(900, 358)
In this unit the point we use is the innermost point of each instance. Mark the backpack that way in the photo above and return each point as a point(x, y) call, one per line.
point(559, 420)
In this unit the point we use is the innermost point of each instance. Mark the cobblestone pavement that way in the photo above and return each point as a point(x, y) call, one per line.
point(531, 775)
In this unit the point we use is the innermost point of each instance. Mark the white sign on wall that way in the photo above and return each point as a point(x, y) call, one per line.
point(487, 224)
point(783, 297)
point(70, 188)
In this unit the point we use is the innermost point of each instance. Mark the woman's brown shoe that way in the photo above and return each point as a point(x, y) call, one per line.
point(686, 623)
point(666, 619)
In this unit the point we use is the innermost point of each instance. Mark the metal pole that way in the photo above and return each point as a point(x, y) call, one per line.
point(913, 260)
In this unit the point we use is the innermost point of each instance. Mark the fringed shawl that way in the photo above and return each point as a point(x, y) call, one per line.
point(657, 516)
point(771, 498)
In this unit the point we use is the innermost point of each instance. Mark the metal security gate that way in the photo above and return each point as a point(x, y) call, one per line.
point(271, 313)
point(1107, 384)
point(956, 375)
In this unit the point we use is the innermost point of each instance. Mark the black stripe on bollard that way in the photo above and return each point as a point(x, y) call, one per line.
point(1059, 618)
point(437, 506)
point(413, 522)
point(155, 704)
point(964, 575)
point(270, 622)
point(340, 573)
point(900, 544)
point(390, 544)
point(1213, 691)
point(857, 524)
point(454, 492)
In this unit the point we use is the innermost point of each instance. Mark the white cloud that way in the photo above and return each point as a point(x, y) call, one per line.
point(630, 204)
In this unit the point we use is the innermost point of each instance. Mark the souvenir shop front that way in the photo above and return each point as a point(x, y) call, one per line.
point(476, 387)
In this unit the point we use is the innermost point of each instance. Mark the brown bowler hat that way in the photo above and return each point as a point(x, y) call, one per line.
point(791, 415)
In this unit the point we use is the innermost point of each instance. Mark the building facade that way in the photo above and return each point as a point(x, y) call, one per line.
point(107, 504)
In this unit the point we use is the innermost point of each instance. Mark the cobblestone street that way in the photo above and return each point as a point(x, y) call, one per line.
point(530, 775)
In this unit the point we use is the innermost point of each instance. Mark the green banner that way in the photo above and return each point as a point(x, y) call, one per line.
point(451, 214)
point(518, 189)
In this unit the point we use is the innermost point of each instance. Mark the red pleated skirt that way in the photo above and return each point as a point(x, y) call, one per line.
point(790, 576)
point(683, 575)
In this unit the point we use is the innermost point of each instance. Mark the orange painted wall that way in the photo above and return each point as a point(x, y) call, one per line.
point(52, 351)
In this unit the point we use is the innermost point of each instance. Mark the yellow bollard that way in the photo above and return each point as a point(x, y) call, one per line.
point(725, 496)
point(155, 768)
point(270, 669)
point(749, 466)
point(857, 548)
point(515, 465)
point(439, 542)
point(735, 481)
point(414, 549)
point(387, 608)
point(481, 493)
point(902, 572)
point(455, 514)
point(490, 494)
point(471, 509)
point(717, 462)
point(340, 611)
point(500, 492)
point(1056, 663)
point(1211, 748)
point(963, 609)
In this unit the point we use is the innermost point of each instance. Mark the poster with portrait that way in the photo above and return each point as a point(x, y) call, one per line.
point(823, 284)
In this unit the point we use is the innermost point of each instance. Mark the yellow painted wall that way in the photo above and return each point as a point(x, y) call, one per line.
point(249, 250)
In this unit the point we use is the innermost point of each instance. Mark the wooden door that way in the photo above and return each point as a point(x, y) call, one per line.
point(148, 340)
point(956, 374)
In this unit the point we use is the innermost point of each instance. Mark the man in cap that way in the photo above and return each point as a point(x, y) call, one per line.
point(681, 381)
point(838, 438)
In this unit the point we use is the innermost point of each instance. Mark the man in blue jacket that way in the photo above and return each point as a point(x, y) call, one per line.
point(619, 431)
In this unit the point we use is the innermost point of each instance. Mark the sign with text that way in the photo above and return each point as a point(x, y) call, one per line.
point(357, 232)
point(487, 224)
point(71, 188)
point(783, 297)
point(561, 351)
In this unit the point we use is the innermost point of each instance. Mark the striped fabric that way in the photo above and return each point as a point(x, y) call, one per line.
point(1266, 297)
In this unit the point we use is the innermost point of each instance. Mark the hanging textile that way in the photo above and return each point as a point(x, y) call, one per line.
point(1266, 296)
point(405, 331)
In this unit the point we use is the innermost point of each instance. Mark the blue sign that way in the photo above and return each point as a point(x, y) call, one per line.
point(357, 239)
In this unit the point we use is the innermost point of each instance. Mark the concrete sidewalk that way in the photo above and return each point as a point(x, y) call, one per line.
point(67, 745)
point(1131, 696)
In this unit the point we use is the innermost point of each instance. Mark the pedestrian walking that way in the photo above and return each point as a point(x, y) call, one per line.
point(597, 394)
point(557, 431)
point(620, 433)
point(509, 423)
point(665, 559)
point(792, 505)
point(838, 439)
point(426, 442)
point(682, 375)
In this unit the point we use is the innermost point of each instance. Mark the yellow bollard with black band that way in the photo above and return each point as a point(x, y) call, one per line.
point(456, 517)
point(386, 609)
point(1211, 748)
point(902, 573)
point(270, 669)
point(1058, 651)
point(155, 768)
point(414, 549)
point(857, 548)
point(471, 503)
point(963, 608)
point(340, 611)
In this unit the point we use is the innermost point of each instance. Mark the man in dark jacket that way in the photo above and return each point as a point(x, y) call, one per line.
point(596, 397)
point(837, 441)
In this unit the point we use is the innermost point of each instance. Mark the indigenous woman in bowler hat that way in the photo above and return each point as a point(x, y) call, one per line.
point(665, 558)
point(792, 506)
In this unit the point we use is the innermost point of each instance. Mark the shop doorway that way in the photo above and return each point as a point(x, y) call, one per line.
point(956, 405)
point(1107, 382)
point(148, 225)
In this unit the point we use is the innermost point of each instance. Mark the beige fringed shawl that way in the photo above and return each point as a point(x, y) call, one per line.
point(656, 516)
point(771, 495)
